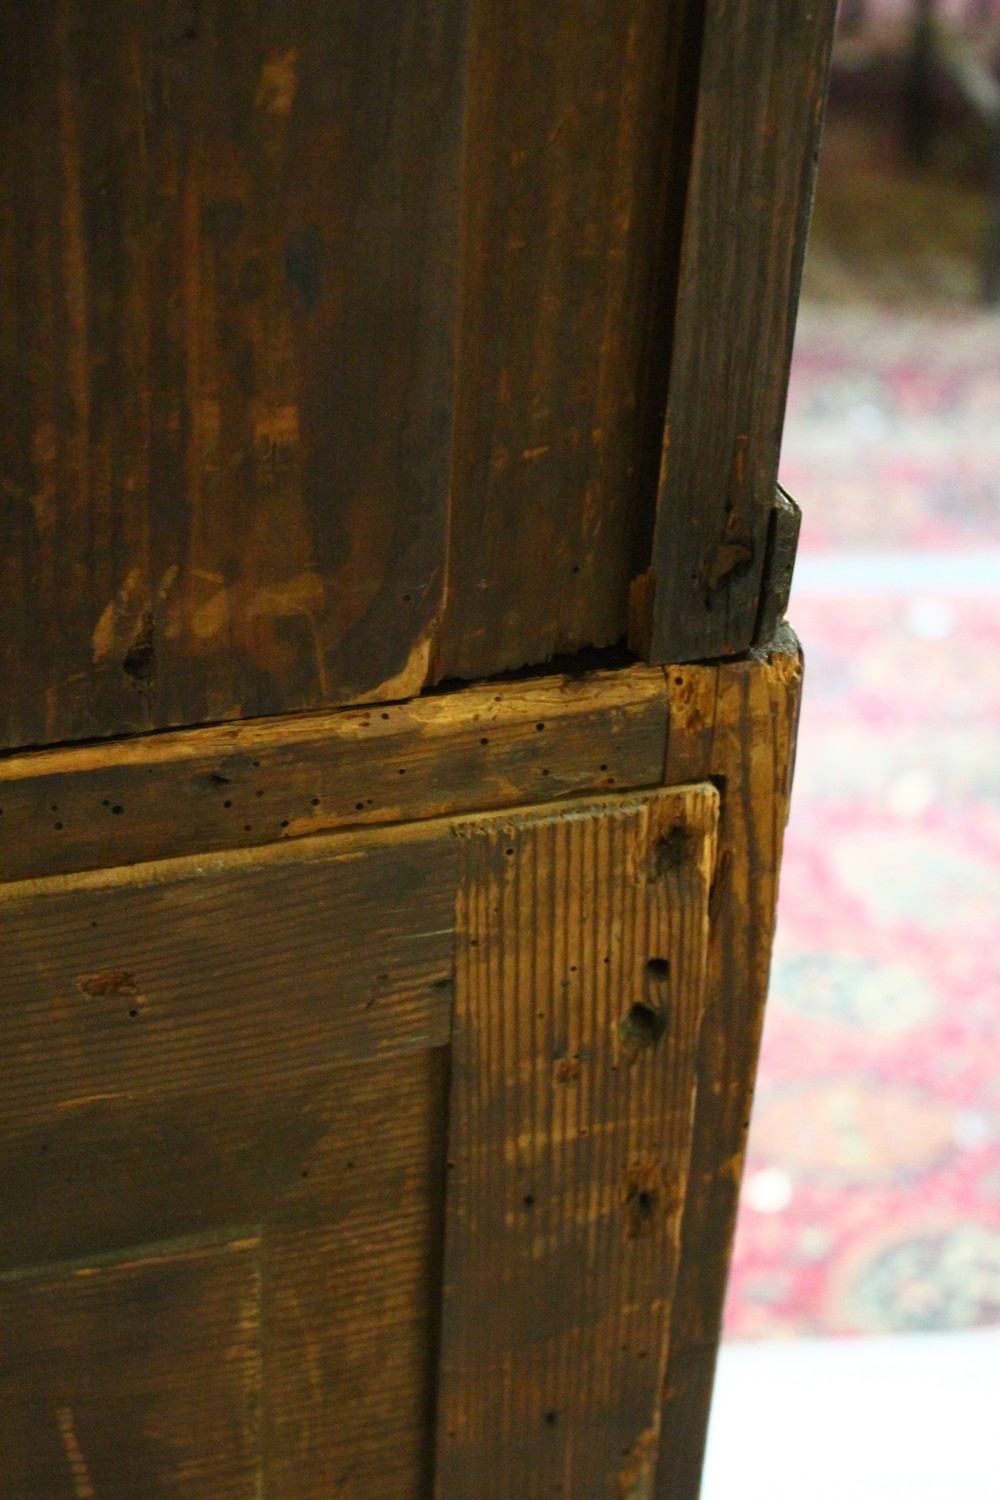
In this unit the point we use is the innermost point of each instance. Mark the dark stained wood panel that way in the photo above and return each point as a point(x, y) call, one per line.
point(164, 978)
point(761, 93)
point(140, 1380)
point(249, 784)
point(352, 1262)
point(228, 254)
point(580, 970)
point(341, 1172)
point(570, 126)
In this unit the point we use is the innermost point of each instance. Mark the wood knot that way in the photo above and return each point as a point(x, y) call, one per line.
point(113, 982)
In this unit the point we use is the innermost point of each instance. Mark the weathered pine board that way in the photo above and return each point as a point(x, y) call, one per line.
point(243, 785)
point(761, 93)
point(141, 1379)
point(119, 1160)
point(580, 969)
point(248, 1302)
point(352, 1266)
point(249, 465)
point(565, 209)
point(228, 292)
point(736, 723)
point(252, 964)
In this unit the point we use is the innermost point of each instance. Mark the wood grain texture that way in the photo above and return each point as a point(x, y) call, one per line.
point(352, 1262)
point(166, 978)
point(283, 1079)
point(252, 784)
point(565, 214)
point(581, 941)
point(735, 722)
point(140, 1380)
point(228, 251)
point(127, 1284)
point(761, 94)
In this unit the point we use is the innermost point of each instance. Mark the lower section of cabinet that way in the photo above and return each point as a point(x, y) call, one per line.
point(390, 1145)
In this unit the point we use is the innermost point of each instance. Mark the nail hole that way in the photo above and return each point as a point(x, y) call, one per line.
point(529, 1200)
point(315, 802)
point(658, 969)
point(641, 1026)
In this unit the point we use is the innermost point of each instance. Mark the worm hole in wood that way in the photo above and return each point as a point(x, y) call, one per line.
point(658, 970)
point(640, 1027)
point(642, 1192)
point(139, 665)
point(673, 850)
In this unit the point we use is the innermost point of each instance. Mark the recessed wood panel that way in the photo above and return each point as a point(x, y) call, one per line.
point(250, 966)
point(140, 1381)
point(353, 1263)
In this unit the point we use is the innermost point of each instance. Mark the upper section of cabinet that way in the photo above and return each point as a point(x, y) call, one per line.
point(339, 341)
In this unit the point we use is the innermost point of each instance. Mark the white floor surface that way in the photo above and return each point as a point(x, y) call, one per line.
point(913, 1417)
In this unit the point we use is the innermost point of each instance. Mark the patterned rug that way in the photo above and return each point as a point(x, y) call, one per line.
point(872, 1194)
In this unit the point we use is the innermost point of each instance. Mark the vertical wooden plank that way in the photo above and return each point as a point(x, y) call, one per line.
point(581, 939)
point(570, 128)
point(760, 102)
point(746, 715)
point(228, 266)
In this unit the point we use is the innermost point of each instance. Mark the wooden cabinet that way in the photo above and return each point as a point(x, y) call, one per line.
point(397, 731)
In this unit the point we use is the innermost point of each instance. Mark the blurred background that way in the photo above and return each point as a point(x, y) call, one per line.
point(863, 1322)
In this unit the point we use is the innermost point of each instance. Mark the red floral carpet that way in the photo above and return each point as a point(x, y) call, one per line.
point(872, 1194)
